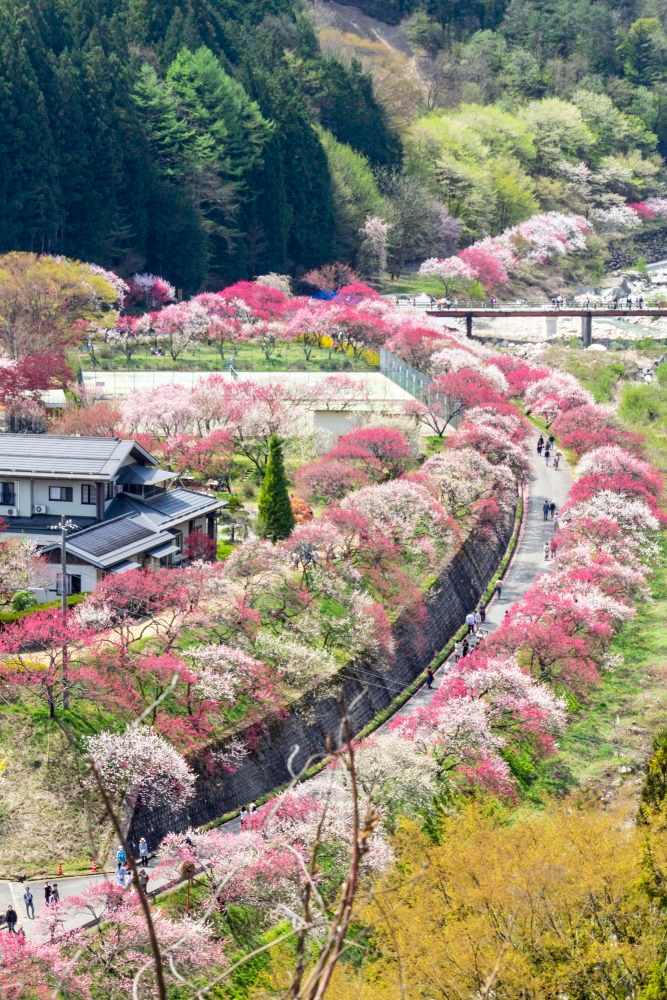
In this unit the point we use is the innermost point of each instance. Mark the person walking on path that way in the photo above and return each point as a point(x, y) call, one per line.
point(143, 851)
point(545, 509)
point(547, 455)
point(478, 619)
point(29, 903)
point(552, 548)
point(540, 444)
point(557, 458)
point(499, 589)
point(552, 509)
point(47, 893)
point(546, 551)
point(429, 678)
point(458, 651)
point(55, 895)
point(464, 648)
point(120, 875)
point(121, 856)
point(11, 917)
point(556, 520)
point(470, 618)
point(143, 881)
point(552, 440)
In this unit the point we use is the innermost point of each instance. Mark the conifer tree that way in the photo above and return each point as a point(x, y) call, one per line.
point(275, 519)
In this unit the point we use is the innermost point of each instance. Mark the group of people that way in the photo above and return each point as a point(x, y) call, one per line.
point(51, 897)
point(247, 811)
point(630, 303)
point(549, 448)
point(124, 874)
point(52, 893)
point(549, 512)
point(476, 634)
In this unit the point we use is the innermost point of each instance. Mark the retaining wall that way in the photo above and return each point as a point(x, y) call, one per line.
point(316, 715)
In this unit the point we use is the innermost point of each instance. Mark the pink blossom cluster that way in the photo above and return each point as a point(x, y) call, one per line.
point(650, 209)
point(138, 762)
point(490, 261)
point(616, 217)
point(149, 291)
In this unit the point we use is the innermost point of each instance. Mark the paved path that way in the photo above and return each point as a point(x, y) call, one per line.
point(527, 563)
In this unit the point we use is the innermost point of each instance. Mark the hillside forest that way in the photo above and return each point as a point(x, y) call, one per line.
point(218, 140)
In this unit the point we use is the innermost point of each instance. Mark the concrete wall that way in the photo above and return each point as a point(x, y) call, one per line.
point(316, 715)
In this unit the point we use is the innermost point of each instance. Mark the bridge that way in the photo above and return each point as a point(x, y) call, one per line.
point(548, 312)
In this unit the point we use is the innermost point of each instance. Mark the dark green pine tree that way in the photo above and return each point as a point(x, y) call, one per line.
point(275, 519)
point(29, 192)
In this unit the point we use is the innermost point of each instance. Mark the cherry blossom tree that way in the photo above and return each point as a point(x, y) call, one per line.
point(138, 762)
point(148, 291)
point(263, 303)
point(163, 411)
point(180, 325)
point(454, 272)
point(42, 653)
point(198, 545)
point(415, 344)
point(330, 277)
point(381, 452)
point(327, 479)
point(91, 420)
point(486, 266)
point(404, 512)
point(373, 249)
point(21, 567)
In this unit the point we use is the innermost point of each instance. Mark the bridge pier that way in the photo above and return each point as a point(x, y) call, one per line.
point(469, 325)
point(551, 326)
point(587, 329)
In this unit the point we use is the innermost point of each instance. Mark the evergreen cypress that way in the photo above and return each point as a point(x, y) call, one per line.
point(275, 519)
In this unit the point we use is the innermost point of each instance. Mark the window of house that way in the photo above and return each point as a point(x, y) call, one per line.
point(72, 583)
point(7, 494)
point(109, 491)
point(63, 493)
point(88, 493)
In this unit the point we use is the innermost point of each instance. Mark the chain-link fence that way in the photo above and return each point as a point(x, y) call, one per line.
point(417, 384)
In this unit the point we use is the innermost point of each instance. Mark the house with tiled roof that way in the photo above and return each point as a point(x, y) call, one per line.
point(118, 504)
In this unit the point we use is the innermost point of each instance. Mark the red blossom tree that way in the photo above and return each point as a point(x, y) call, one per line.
point(42, 653)
point(488, 268)
point(198, 546)
point(382, 452)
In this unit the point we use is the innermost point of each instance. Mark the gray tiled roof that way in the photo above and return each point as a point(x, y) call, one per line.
point(108, 536)
point(181, 503)
point(165, 508)
point(64, 456)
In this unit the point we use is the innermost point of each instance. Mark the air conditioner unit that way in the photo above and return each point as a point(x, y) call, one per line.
point(12, 512)
point(39, 508)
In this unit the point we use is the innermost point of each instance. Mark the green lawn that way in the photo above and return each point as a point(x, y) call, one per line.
point(248, 357)
point(411, 284)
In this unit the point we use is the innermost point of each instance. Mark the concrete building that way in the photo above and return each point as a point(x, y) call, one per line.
point(123, 514)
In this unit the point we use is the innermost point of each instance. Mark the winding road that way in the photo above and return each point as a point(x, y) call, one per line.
point(528, 561)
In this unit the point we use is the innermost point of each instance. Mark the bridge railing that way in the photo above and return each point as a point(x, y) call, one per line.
point(513, 307)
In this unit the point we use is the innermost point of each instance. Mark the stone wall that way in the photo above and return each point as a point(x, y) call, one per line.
point(316, 715)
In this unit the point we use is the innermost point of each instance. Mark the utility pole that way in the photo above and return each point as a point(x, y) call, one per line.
point(64, 527)
point(63, 604)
